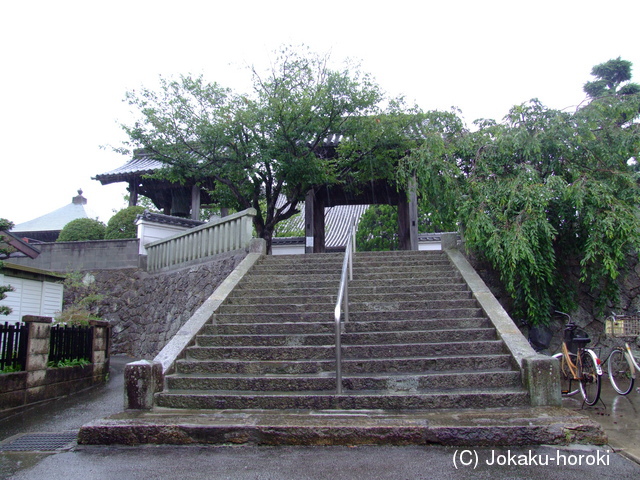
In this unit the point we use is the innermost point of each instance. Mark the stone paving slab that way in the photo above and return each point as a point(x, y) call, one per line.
point(487, 427)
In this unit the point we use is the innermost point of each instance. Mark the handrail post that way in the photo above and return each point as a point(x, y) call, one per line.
point(346, 302)
point(338, 360)
point(343, 301)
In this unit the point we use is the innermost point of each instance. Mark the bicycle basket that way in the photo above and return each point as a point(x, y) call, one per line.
point(623, 326)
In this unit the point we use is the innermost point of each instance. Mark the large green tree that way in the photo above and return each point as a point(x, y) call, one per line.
point(543, 195)
point(256, 146)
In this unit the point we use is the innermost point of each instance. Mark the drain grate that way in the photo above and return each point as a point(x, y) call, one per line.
point(39, 442)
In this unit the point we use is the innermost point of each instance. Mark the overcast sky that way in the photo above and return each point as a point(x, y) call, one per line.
point(66, 66)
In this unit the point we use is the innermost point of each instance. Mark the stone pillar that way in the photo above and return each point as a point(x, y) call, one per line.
point(142, 379)
point(541, 377)
point(100, 355)
point(449, 241)
point(37, 356)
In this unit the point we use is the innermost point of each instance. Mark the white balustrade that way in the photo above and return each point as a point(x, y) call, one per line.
point(226, 234)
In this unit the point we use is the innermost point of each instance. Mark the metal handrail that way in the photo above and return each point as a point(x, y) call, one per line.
point(343, 298)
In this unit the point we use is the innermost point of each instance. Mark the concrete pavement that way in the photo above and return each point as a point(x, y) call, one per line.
point(619, 416)
point(71, 461)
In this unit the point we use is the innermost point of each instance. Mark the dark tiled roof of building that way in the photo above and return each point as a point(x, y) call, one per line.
point(139, 165)
point(169, 219)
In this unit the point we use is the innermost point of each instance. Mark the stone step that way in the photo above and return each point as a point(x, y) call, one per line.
point(354, 307)
point(416, 339)
point(403, 254)
point(495, 427)
point(439, 363)
point(327, 288)
point(333, 279)
point(395, 383)
point(361, 267)
point(315, 258)
point(373, 338)
point(352, 327)
point(462, 398)
point(363, 352)
point(313, 296)
point(418, 276)
point(354, 317)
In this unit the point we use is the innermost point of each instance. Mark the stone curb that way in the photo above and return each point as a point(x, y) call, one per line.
point(489, 427)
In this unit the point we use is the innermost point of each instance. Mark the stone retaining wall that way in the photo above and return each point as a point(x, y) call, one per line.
point(146, 310)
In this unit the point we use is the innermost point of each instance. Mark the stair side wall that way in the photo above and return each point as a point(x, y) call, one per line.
point(540, 374)
point(145, 378)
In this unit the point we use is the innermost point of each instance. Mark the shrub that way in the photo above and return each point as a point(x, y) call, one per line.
point(377, 230)
point(76, 315)
point(82, 229)
point(122, 224)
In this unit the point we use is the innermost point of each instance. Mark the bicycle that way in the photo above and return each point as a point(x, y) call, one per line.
point(621, 364)
point(579, 364)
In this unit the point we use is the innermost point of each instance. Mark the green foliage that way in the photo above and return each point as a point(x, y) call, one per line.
point(82, 229)
point(77, 315)
point(254, 147)
point(5, 251)
point(548, 197)
point(610, 75)
point(4, 289)
point(122, 224)
point(10, 369)
point(378, 229)
point(76, 362)
point(550, 190)
point(81, 298)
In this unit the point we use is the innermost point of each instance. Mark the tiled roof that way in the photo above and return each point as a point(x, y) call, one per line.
point(144, 164)
point(139, 165)
point(56, 220)
point(169, 219)
point(337, 221)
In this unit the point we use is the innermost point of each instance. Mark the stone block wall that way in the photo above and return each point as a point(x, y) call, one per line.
point(146, 310)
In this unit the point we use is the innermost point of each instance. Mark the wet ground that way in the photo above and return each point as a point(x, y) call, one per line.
point(618, 415)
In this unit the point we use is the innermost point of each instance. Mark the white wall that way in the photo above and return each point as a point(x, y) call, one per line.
point(287, 249)
point(31, 297)
point(151, 231)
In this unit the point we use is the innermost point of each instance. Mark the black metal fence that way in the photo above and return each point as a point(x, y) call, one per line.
point(13, 345)
point(70, 343)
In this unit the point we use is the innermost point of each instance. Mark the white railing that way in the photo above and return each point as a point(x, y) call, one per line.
point(343, 300)
point(223, 235)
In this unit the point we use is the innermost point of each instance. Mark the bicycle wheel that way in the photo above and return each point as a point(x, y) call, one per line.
point(620, 370)
point(568, 386)
point(589, 379)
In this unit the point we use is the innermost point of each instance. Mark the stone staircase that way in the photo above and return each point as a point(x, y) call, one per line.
point(416, 339)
